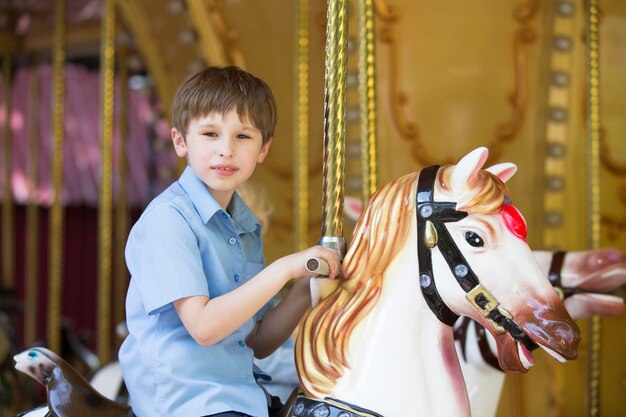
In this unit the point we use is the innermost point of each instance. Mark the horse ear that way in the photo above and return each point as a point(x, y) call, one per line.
point(467, 167)
point(503, 171)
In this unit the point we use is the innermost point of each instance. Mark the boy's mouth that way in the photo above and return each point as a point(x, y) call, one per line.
point(224, 170)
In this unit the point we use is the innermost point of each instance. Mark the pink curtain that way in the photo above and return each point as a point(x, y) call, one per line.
point(151, 161)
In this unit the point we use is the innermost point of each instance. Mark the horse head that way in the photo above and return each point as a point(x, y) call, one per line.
point(494, 267)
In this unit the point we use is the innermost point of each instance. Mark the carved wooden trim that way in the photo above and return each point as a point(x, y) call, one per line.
point(518, 98)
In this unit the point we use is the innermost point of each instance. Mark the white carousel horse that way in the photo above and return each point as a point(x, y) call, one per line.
point(382, 342)
point(583, 281)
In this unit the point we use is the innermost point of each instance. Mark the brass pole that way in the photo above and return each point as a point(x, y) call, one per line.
point(56, 211)
point(8, 208)
point(367, 96)
point(593, 189)
point(301, 136)
point(107, 62)
point(121, 218)
point(334, 124)
point(32, 213)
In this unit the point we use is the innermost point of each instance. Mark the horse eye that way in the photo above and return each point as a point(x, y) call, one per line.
point(474, 240)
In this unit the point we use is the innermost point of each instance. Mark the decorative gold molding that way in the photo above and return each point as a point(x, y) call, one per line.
point(212, 31)
point(613, 166)
point(135, 20)
point(504, 132)
point(615, 226)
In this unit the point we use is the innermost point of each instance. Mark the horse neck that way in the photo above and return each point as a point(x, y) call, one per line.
point(403, 360)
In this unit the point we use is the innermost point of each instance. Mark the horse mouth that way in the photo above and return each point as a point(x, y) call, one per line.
point(528, 360)
point(559, 339)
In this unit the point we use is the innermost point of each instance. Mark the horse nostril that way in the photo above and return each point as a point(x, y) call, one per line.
point(567, 334)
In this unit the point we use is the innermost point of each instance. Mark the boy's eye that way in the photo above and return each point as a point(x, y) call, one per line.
point(242, 136)
point(210, 134)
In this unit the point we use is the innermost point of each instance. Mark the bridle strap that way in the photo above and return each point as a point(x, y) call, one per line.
point(434, 214)
point(424, 254)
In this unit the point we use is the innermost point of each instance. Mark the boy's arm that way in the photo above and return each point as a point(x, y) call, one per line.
point(278, 323)
point(210, 320)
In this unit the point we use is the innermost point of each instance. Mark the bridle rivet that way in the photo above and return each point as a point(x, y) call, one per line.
point(299, 409)
point(426, 211)
point(460, 270)
point(425, 281)
point(321, 411)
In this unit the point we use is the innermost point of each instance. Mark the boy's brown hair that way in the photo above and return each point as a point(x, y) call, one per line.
point(220, 90)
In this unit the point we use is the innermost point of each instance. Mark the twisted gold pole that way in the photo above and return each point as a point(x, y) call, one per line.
point(8, 209)
point(121, 219)
point(107, 62)
point(593, 188)
point(301, 137)
point(334, 123)
point(367, 95)
point(56, 211)
point(32, 213)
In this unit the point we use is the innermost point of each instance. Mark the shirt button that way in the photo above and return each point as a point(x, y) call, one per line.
point(241, 343)
point(236, 278)
point(224, 215)
point(232, 240)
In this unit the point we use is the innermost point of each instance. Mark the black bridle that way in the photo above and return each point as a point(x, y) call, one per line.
point(431, 232)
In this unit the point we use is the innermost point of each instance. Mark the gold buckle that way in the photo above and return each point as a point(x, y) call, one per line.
point(495, 325)
point(477, 291)
point(560, 293)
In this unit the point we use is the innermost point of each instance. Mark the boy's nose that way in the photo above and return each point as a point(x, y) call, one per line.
point(226, 149)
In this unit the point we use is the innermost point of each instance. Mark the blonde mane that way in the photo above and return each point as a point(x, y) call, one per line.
point(322, 345)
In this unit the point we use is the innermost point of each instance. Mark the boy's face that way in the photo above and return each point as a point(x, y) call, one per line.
point(222, 150)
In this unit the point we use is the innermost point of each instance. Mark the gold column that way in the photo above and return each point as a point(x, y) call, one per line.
point(367, 95)
point(56, 211)
point(8, 214)
point(32, 213)
point(593, 188)
point(121, 217)
point(107, 63)
point(334, 123)
point(301, 134)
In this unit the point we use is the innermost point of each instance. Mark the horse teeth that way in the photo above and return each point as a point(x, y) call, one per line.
point(554, 354)
point(522, 352)
point(613, 272)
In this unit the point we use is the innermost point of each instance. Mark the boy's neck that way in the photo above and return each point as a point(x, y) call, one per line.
point(223, 198)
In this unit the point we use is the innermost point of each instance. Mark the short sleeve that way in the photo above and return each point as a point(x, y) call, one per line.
point(164, 259)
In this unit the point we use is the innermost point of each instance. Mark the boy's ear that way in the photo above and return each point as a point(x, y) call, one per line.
point(264, 150)
point(179, 143)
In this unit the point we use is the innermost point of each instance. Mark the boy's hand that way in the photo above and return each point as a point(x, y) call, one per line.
point(297, 262)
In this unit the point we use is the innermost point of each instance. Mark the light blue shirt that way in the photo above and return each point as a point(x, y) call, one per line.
point(184, 244)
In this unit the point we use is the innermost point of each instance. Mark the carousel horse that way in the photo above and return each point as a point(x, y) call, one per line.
point(430, 246)
point(583, 280)
point(583, 284)
point(68, 393)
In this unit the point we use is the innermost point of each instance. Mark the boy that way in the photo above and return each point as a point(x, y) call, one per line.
point(197, 304)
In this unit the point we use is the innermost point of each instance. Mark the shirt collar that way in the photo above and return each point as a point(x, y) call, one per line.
point(207, 206)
